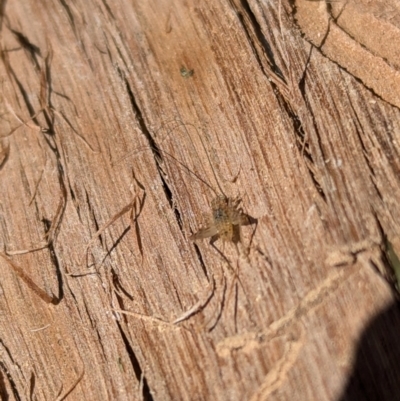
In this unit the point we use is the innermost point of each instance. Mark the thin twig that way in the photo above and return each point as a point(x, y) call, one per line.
point(29, 282)
point(198, 306)
point(126, 209)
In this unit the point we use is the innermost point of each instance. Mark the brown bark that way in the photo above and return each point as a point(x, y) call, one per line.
point(289, 105)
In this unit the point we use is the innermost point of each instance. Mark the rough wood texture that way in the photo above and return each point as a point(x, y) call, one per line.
point(297, 109)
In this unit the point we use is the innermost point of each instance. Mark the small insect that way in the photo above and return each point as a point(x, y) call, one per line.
point(224, 222)
point(185, 72)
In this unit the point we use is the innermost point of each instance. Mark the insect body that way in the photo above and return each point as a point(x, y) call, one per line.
point(224, 222)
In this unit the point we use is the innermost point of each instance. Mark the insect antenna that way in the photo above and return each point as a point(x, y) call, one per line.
point(158, 154)
point(185, 125)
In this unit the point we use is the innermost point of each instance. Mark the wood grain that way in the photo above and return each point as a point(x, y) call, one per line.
point(310, 146)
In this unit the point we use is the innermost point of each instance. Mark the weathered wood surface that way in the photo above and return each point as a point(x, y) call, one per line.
point(282, 94)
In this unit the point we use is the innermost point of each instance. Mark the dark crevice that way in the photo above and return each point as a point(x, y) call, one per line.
point(176, 291)
point(4, 152)
point(88, 314)
point(24, 94)
point(302, 145)
point(120, 300)
point(94, 219)
point(170, 199)
point(321, 45)
point(329, 10)
point(2, 12)
point(74, 297)
point(7, 374)
point(146, 395)
point(116, 243)
point(32, 384)
point(157, 153)
point(69, 13)
point(3, 392)
point(257, 31)
point(75, 202)
point(32, 50)
point(24, 179)
point(386, 260)
point(302, 89)
point(11, 381)
point(52, 250)
point(117, 284)
point(100, 342)
point(202, 264)
point(317, 185)
point(139, 117)
point(56, 264)
point(302, 80)
point(46, 101)
point(72, 193)
point(107, 7)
